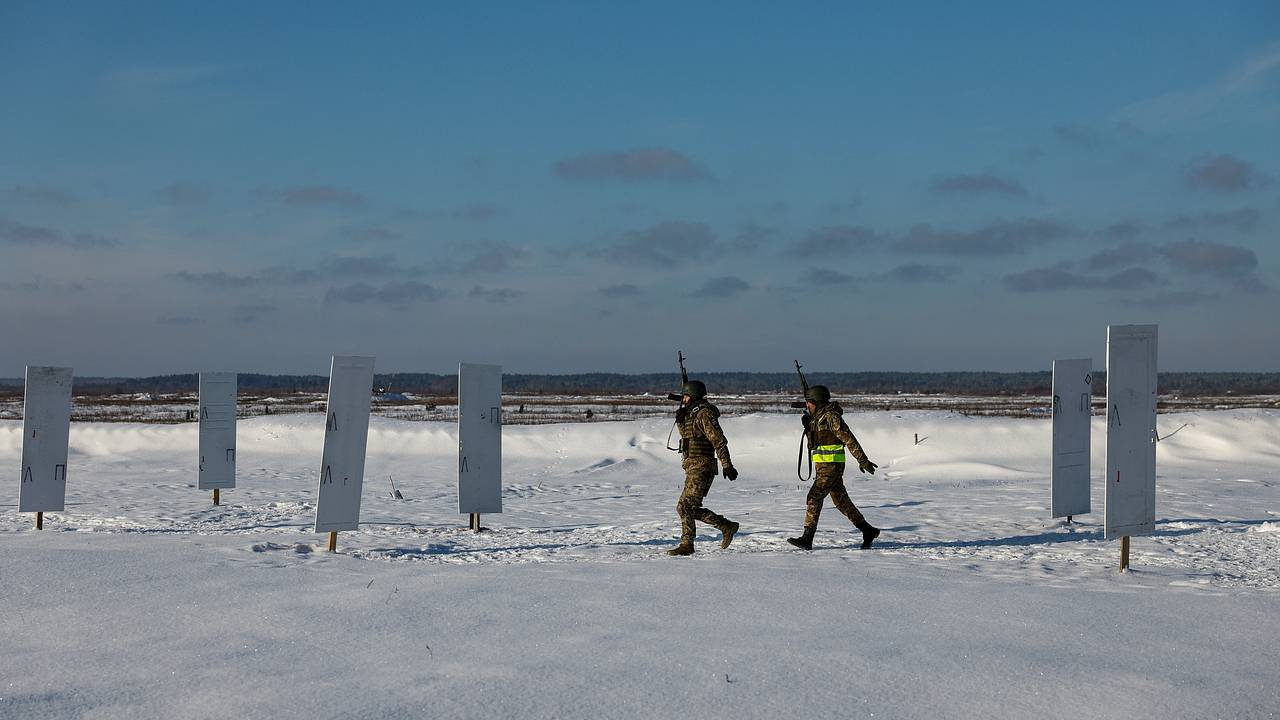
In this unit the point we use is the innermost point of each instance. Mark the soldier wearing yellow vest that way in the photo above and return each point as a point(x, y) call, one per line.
point(701, 442)
point(828, 436)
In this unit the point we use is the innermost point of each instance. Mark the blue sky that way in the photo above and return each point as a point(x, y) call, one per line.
point(568, 187)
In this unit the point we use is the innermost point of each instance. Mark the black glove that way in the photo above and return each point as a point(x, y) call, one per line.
point(867, 467)
point(731, 472)
point(805, 419)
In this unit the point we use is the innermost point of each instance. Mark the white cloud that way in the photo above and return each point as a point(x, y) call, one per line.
point(1254, 73)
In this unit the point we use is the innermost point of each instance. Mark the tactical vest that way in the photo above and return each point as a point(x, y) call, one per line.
point(692, 442)
point(824, 445)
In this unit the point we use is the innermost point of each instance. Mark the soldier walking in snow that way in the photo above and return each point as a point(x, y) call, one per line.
point(701, 441)
point(828, 436)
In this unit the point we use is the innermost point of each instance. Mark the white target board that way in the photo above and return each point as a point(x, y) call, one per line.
point(46, 430)
point(479, 438)
point(1131, 430)
point(1072, 390)
point(217, 431)
point(346, 434)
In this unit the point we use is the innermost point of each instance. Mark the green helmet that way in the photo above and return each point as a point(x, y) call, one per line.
point(695, 389)
point(817, 394)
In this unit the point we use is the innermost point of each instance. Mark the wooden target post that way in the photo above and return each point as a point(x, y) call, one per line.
point(346, 435)
point(1131, 435)
point(46, 429)
point(217, 431)
point(1071, 444)
point(479, 441)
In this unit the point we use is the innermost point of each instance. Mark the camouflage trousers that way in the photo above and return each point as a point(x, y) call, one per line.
point(697, 483)
point(828, 479)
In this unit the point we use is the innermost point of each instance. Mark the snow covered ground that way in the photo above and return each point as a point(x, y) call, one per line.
point(143, 600)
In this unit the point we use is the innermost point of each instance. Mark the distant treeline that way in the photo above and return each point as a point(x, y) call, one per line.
point(1188, 384)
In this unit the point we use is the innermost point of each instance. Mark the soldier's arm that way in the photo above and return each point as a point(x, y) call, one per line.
point(855, 448)
point(711, 429)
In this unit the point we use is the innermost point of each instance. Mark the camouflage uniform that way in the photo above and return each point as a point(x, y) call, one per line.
point(828, 437)
point(701, 442)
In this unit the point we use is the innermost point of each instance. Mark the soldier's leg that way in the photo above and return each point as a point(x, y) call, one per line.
point(711, 518)
point(699, 473)
point(705, 514)
point(689, 506)
point(813, 501)
point(813, 509)
point(698, 493)
point(840, 497)
point(813, 504)
point(726, 526)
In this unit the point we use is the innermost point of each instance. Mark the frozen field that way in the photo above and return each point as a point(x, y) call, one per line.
point(539, 409)
point(143, 600)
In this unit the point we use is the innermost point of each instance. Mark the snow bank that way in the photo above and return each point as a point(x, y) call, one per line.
point(144, 600)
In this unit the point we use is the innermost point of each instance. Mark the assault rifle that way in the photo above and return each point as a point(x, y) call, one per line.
point(806, 437)
point(684, 378)
point(674, 397)
point(804, 388)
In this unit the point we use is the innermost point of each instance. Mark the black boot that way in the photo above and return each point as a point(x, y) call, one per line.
point(727, 531)
point(869, 533)
point(684, 548)
point(805, 541)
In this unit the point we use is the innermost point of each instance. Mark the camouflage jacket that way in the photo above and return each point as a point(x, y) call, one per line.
point(700, 433)
point(828, 431)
